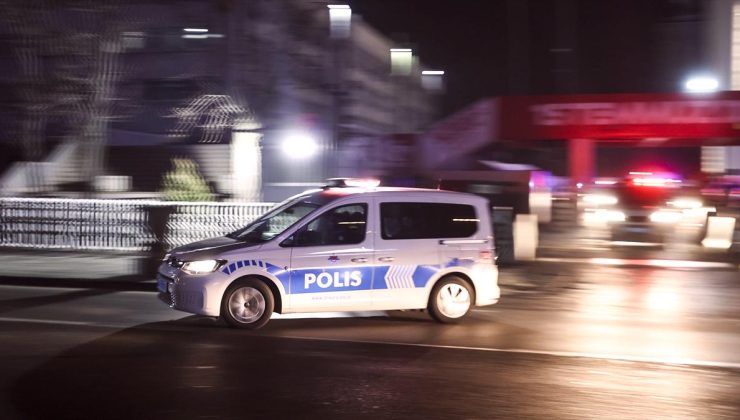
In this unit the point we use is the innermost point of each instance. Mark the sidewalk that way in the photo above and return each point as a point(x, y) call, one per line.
point(50, 267)
point(60, 264)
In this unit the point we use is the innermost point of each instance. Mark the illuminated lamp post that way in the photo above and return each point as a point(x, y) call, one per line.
point(433, 80)
point(402, 64)
point(340, 27)
point(340, 20)
point(713, 158)
point(402, 60)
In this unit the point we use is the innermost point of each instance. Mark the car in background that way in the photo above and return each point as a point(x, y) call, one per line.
point(646, 207)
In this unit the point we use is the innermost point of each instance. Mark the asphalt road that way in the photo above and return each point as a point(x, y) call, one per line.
point(567, 341)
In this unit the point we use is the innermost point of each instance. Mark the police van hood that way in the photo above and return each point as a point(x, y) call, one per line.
point(209, 248)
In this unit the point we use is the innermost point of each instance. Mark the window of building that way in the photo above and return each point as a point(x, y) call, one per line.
point(133, 40)
point(427, 220)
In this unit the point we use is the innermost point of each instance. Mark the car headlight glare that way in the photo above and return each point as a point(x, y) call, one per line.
point(685, 203)
point(202, 267)
point(600, 199)
point(604, 216)
point(662, 216)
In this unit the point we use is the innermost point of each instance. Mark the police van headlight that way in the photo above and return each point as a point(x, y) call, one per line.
point(202, 267)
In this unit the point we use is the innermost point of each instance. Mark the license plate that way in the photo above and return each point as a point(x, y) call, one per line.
point(637, 229)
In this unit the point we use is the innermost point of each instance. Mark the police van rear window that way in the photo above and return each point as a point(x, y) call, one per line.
point(406, 220)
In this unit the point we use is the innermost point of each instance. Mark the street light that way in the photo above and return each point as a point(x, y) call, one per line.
point(340, 20)
point(297, 145)
point(432, 80)
point(402, 60)
point(701, 84)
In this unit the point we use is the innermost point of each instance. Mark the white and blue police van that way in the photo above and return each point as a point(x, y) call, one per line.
point(350, 246)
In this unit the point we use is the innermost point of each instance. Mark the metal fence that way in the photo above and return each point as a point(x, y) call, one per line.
point(123, 225)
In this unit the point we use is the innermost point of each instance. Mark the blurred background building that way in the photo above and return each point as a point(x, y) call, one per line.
point(617, 47)
point(266, 97)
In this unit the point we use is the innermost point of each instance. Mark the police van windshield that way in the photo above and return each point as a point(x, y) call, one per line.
point(278, 220)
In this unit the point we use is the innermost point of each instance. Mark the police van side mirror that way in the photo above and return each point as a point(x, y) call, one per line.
point(300, 238)
point(288, 242)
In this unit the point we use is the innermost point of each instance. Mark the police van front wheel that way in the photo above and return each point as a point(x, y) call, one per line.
point(247, 304)
point(451, 300)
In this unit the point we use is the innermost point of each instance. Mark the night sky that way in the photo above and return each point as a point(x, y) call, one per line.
point(492, 48)
point(615, 46)
point(465, 38)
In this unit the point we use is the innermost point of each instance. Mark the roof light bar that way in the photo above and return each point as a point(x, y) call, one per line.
point(352, 182)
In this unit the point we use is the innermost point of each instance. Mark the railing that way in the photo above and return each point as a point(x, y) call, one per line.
point(193, 221)
point(123, 225)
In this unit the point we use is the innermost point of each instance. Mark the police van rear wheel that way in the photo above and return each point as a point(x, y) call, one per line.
point(451, 300)
point(247, 304)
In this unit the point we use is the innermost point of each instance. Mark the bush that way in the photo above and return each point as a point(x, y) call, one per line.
point(185, 183)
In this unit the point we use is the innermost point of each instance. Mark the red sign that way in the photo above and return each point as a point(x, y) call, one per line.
point(634, 116)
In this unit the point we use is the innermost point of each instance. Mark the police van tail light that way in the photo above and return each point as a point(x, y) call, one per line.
point(485, 255)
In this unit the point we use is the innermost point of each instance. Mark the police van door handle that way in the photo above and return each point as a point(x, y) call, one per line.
point(461, 241)
point(359, 260)
point(386, 259)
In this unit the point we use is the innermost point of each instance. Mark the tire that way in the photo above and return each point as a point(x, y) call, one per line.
point(247, 304)
point(451, 300)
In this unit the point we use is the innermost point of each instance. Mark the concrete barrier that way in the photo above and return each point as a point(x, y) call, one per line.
point(526, 237)
point(540, 203)
point(720, 231)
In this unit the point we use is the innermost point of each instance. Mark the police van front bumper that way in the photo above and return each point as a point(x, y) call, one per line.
point(186, 293)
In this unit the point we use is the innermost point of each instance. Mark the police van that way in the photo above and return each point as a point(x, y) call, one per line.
point(350, 246)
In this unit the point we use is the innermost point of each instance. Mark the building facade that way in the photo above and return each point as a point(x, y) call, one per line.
point(263, 94)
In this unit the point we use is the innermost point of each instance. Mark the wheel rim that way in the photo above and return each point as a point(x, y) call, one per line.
point(453, 300)
point(247, 304)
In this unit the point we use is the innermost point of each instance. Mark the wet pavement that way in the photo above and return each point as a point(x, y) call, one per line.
point(170, 371)
point(589, 330)
point(567, 340)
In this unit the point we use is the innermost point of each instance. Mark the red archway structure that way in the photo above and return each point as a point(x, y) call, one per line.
point(586, 120)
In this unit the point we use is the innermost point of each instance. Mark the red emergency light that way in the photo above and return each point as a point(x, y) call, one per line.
point(650, 179)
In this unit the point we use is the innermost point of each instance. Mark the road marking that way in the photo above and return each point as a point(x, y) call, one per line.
point(45, 321)
point(567, 354)
point(62, 322)
point(644, 263)
point(74, 323)
point(554, 353)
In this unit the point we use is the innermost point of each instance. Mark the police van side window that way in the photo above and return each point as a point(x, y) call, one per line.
point(427, 220)
point(344, 225)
